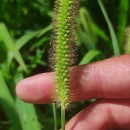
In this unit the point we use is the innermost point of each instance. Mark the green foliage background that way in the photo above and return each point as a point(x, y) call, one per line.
point(25, 30)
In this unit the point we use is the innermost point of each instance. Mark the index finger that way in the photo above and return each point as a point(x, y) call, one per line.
point(109, 79)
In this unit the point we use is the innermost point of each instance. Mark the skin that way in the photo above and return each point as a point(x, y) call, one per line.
point(107, 80)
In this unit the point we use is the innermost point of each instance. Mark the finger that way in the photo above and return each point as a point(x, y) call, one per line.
point(36, 89)
point(103, 115)
point(105, 79)
point(109, 79)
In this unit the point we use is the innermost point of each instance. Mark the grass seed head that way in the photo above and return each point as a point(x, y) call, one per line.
point(63, 46)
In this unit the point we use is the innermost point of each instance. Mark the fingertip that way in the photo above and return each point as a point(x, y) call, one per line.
point(23, 90)
point(36, 89)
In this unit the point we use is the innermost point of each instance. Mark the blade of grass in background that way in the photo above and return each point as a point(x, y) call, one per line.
point(25, 39)
point(44, 30)
point(89, 56)
point(28, 116)
point(111, 29)
point(8, 104)
point(27, 112)
point(91, 27)
point(12, 48)
point(86, 22)
point(30, 35)
point(99, 32)
point(39, 43)
point(86, 33)
point(122, 21)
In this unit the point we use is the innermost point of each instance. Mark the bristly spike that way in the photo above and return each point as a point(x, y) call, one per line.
point(63, 43)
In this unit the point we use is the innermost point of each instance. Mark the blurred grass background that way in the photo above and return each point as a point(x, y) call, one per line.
point(25, 30)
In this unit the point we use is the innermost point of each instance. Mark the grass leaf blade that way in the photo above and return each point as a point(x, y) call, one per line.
point(111, 29)
point(28, 115)
point(12, 48)
point(89, 56)
point(8, 104)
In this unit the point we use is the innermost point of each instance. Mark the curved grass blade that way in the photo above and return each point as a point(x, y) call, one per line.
point(8, 104)
point(11, 46)
point(111, 29)
point(89, 56)
point(27, 115)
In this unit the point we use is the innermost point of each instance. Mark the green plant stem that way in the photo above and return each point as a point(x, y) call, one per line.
point(55, 116)
point(63, 117)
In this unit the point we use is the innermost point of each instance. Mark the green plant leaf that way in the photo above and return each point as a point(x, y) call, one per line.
point(89, 56)
point(111, 29)
point(11, 46)
point(99, 32)
point(25, 39)
point(39, 43)
point(28, 116)
point(87, 35)
point(86, 40)
point(8, 104)
point(44, 30)
point(3, 52)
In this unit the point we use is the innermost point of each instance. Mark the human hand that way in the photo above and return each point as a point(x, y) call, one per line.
point(108, 81)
